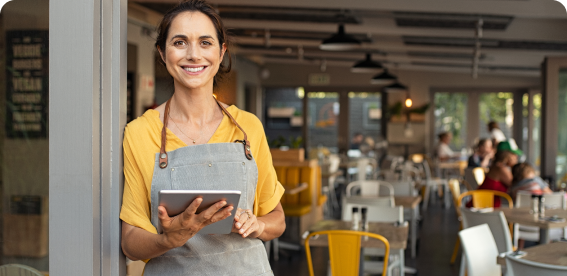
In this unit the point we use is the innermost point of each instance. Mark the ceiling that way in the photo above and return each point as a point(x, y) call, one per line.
point(428, 35)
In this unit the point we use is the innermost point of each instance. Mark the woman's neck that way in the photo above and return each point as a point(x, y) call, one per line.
point(196, 106)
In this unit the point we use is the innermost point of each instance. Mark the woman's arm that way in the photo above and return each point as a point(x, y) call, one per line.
point(139, 244)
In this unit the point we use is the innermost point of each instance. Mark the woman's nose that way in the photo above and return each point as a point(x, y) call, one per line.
point(193, 52)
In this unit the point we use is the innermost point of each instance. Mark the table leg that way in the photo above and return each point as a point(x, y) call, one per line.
point(543, 236)
point(426, 197)
point(413, 230)
point(402, 262)
point(446, 196)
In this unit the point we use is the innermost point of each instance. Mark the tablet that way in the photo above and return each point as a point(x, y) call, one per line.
point(176, 201)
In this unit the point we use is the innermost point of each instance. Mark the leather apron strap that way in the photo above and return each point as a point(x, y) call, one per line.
point(163, 154)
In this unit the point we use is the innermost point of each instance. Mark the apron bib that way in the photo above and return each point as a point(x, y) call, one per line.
point(222, 166)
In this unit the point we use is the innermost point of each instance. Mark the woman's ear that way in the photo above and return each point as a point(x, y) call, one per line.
point(161, 54)
point(223, 50)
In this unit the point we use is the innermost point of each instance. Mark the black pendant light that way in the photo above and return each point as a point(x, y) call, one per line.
point(366, 66)
point(396, 87)
point(340, 41)
point(384, 78)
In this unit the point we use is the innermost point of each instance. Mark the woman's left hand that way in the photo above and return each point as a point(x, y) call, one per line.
point(247, 224)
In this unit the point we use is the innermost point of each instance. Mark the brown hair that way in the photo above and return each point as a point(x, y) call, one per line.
point(206, 9)
point(502, 156)
point(442, 135)
point(492, 125)
point(520, 171)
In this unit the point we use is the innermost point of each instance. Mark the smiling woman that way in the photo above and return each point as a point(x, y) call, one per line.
point(198, 153)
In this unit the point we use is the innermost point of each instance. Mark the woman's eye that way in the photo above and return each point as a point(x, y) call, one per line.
point(179, 43)
point(206, 43)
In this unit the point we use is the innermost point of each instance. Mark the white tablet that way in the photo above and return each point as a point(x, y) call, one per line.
point(176, 201)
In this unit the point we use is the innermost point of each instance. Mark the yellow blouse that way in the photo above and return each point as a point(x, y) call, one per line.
point(142, 140)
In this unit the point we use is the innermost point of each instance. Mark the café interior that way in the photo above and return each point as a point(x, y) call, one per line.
point(373, 111)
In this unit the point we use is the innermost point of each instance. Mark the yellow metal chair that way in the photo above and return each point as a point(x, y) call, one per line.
point(484, 198)
point(344, 251)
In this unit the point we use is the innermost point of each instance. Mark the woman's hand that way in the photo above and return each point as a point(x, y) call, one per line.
point(177, 230)
point(247, 224)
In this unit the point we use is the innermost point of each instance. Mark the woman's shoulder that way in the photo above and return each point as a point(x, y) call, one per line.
point(244, 118)
point(148, 123)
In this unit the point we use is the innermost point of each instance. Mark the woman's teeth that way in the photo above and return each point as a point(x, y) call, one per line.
point(194, 70)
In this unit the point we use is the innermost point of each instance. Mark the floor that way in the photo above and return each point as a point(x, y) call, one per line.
point(437, 235)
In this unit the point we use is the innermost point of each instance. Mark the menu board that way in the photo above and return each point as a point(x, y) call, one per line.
point(27, 83)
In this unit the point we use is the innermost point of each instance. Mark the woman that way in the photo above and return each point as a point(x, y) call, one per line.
point(499, 177)
point(525, 179)
point(482, 155)
point(444, 151)
point(189, 143)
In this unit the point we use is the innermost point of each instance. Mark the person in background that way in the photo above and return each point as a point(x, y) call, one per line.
point(482, 155)
point(443, 151)
point(499, 177)
point(356, 140)
point(524, 179)
point(496, 134)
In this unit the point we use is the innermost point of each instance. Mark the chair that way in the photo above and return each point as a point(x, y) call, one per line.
point(369, 187)
point(330, 172)
point(401, 188)
point(455, 188)
point(19, 270)
point(496, 222)
point(480, 251)
point(522, 267)
point(377, 214)
point(474, 178)
point(429, 182)
point(356, 201)
point(344, 251)
point(531, 233)
point(485, 198)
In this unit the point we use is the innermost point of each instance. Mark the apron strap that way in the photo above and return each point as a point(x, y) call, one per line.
point(163, 153)
point(244, 141)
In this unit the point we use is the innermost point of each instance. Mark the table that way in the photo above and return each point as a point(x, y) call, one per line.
point(411, 203)
point(523, 216)
point(397, 236)
point(551, 253)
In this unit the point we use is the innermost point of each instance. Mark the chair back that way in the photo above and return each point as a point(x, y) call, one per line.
point(19, 270)
point(344, 251)
point(554, 200)
point(479, 175)
point(376, 213)
point(522, 267)
point(356, 201)
point(369, 187)
point(455, 188)
point(401, 188)
point(470, 180)
point(496, 222)
point(484, 198)
point(480, 251)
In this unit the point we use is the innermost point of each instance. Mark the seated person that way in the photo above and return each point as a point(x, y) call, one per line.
point(482, 155)
point(356, 141)
point(443, 151)
point(499, 177)
point(524, 179)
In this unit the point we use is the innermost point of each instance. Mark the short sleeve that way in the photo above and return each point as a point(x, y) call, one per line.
point(135, 205)
point(269, 190)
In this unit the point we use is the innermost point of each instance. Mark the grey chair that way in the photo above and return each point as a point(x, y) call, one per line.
point(18, 270)
point(521, 267)
point(480, 251)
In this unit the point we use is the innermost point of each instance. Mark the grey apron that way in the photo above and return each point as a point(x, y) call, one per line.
point(222, 166)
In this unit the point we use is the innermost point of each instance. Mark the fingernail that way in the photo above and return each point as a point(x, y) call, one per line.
point(245, 234)
point(241, 231)
point(223, 203)
point(238, 224)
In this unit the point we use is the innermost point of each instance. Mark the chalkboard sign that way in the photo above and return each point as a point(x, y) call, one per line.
point(27, 83)
point(25, 205)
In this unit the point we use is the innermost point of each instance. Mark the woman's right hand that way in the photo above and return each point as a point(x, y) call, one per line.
point(178, 229)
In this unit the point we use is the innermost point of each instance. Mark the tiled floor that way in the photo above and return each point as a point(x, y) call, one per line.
point(437, 236)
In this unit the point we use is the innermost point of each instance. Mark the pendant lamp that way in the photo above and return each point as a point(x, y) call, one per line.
point(408, 102)
point(384, 78)
point(366, 66)
point(340, 41)
point(396, 87)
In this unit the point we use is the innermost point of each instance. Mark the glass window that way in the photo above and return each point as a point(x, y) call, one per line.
point(283, 117)
point(324, 119)
point(24, 146)
point(451, 116)
point(365, 114)
point(496, 107)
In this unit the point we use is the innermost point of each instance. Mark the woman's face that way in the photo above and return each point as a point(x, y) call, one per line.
point(192, 51)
